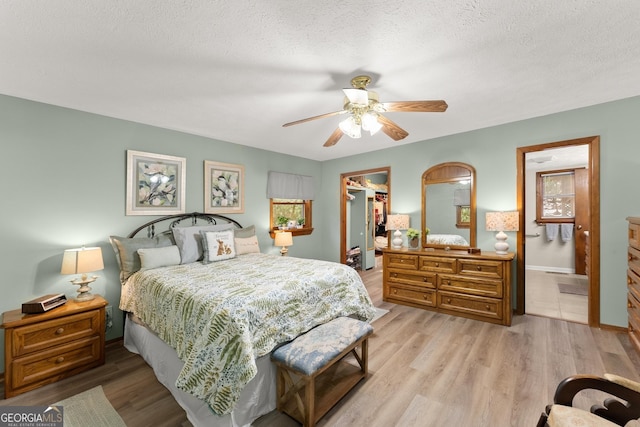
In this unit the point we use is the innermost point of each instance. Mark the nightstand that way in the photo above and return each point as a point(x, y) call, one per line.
point(43, 348)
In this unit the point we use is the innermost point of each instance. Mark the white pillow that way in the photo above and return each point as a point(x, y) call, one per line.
point(189, 240)
point(247, 245)
point(159, 257)
point(217, 245)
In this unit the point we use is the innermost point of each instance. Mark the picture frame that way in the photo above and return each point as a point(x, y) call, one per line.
point(155, 184)
point(223, 187)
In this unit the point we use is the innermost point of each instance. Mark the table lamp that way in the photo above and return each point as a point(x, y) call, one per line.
point(284, 239)
point(397, 222)
point(501, 222)
point(82, 261)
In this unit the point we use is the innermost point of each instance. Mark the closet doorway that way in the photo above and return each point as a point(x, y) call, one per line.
point(578, 242)
point(379, 181)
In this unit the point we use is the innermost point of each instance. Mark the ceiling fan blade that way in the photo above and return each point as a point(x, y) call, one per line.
point(392, 130)
point(357, 96)
point(334, 138)
point(416, 106)
point(308, 119)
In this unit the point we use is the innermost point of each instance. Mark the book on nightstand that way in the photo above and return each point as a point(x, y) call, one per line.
point(44, 303)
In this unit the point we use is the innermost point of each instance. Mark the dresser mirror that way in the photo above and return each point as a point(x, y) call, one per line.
point(449, 206)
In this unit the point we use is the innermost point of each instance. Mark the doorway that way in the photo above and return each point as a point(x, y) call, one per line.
point(582, 234)
point(378, 179)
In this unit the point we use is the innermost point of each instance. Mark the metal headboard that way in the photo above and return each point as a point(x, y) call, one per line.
point(192, 218)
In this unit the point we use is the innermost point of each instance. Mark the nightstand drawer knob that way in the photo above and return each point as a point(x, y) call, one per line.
point(60, 359)
point(479, 268)
point(487, 307)
point(59, 331)
point(437, 264)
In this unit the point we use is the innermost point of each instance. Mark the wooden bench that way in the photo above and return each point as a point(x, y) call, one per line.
point(302, 392)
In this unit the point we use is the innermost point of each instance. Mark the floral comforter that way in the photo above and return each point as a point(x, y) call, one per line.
point(220, 317)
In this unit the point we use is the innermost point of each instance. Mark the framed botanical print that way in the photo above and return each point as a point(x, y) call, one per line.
point(155, 184)
point(223, 187)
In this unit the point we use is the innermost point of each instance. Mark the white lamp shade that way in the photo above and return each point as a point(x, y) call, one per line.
point(397, 222)
point(502, 221)
point(283, 238)
point(82, 260)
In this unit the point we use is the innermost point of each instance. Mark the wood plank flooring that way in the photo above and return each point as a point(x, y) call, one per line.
point(426, 369)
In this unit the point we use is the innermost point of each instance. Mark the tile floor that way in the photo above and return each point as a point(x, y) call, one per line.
point(543, 298)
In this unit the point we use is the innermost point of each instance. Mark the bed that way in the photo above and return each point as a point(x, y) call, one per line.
point(205, 308)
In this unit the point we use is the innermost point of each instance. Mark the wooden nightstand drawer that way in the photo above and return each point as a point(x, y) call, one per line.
point(409, 262)
point(38, 337)
point(471, 286)
point(415, 278)
point(481, 268)
point(479, 306)
point(633, 259)
point(413, 296)
point(437, 264)
point(634, 235)
point(48, 365)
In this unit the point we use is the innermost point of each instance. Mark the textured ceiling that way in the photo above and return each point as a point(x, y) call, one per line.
point(237, 70)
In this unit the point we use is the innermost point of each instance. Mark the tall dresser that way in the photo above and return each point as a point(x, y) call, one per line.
point(477, 286)
point(633, 281)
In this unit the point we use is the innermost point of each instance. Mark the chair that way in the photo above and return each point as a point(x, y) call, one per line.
point(621, 410)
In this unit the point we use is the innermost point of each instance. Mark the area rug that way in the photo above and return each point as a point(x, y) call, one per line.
point(90, 407)
point(379, 313)
point(571, 288)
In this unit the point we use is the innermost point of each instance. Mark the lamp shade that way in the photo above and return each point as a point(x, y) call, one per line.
point(283, 238)
point(82, 260)
point(397, 222)
point(502, 221)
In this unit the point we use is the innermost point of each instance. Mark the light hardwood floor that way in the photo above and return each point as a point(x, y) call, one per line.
point(543, 296)
point(426, 369)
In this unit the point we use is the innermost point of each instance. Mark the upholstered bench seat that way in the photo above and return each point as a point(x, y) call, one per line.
point(310, 355)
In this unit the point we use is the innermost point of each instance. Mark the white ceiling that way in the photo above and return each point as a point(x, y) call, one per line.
point(236, 70)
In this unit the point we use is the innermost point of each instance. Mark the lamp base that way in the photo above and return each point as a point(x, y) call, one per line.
point(396, 243)
point(84, 293)
point(501, 246)
point(284, 251)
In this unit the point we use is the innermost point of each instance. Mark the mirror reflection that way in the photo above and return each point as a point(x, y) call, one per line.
point(448, 206)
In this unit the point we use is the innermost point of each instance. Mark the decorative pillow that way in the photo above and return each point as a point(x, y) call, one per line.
point(189, 240)
point(159, 257)
point(245, 232)
point(126, 250)
point(246, 245)
point(217, 245)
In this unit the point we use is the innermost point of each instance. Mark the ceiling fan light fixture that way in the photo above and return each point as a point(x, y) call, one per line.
point(370, 122)
point(350, 127)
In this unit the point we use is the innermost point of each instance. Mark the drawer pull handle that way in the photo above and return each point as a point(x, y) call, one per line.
point(60, 359)
point(448, 300)
point(424, 279)
point(395, 292)
point(425, 297)
point(395, 274)
point(487, 307)
point(479, 268)
point(437, 264)
point(629, 305)
point(59, 331)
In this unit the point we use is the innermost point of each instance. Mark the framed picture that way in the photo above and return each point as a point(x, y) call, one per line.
point(155, 184)
point(223, 187)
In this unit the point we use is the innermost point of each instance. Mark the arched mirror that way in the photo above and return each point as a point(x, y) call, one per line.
point(449, 206)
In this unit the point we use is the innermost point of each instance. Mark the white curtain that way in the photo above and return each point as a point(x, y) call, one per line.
point(289, 186)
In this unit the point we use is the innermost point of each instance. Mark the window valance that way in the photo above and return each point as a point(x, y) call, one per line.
point(289, 186)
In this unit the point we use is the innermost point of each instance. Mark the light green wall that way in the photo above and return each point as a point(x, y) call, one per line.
point(65, 175)
point(492, 151)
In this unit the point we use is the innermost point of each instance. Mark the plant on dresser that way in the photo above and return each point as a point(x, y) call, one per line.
point(455, 282)
point(47, 347)
point(633, 281)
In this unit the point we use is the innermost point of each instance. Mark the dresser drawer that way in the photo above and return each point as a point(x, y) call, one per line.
point(37, 337)
point(634, 235)
point(415, 296)
point(437, 264)
point(472, 286)
point(481, 268)
point(49, 365)
point(415, 278)
point(409, 262)
point(633, 259)
point(633, 283)
point(479, 306)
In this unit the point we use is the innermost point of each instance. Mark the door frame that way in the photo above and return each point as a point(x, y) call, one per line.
point(594, 222)
point(343, 203)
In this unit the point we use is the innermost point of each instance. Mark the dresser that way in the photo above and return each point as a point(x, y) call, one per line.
point(477, 286)
point(44, 348)
point(633, 281)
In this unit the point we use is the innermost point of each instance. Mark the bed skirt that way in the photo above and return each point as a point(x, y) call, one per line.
point(257, 399)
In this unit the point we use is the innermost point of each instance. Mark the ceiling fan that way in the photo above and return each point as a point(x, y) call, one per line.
point(364, 109)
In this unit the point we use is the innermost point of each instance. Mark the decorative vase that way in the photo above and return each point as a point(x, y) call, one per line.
point(413, 243)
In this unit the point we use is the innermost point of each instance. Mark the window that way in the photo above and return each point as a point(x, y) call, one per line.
point(463, 216)
point(297, 213)
point(555, 196)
